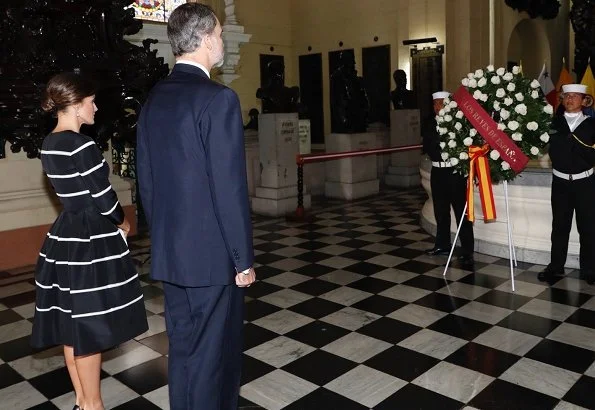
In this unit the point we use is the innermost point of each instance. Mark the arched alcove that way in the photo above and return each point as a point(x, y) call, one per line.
point(528, 43)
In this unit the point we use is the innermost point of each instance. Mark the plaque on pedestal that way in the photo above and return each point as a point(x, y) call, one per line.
point(278, 137)
point(351, 178)
point(305, 137)
point(404, 166)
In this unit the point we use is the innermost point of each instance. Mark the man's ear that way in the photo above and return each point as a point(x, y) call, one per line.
point(207, 41)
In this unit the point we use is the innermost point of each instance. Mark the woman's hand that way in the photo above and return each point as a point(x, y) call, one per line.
point(125, 227)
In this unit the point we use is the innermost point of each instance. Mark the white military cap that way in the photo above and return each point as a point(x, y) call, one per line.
point(574, 88)
point(440, 95)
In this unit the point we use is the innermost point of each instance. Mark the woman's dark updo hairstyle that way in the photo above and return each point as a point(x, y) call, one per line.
point(64, 90)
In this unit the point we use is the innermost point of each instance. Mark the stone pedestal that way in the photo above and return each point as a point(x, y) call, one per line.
point(382, 133)
point(278, 137)
point(404, 166)
point(351, 178)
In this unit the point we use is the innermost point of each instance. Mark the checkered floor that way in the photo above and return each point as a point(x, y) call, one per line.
point(350, 314)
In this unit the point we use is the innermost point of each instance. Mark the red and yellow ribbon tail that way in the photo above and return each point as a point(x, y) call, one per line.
point(480, 168)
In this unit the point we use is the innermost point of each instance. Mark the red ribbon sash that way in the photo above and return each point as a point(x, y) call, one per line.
point(488, 129)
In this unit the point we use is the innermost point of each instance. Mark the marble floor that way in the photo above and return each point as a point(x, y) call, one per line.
point(348, 314)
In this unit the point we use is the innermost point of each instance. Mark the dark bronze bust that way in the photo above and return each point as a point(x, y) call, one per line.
point(253, 122)
point(349, 100)
point(275, 96)
point(402, 98)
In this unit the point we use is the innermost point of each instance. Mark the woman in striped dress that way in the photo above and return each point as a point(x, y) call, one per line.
point(88, 297)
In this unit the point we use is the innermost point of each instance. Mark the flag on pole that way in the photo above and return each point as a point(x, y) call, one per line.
point(565, 78)
point(547, 86)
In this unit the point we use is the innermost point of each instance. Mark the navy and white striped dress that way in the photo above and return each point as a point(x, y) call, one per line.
point(88, 292)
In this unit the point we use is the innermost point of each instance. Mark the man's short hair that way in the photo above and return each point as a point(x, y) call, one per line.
point(188, 24)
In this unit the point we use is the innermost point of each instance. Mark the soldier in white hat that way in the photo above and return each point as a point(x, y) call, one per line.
point(572, 152)
point(448, 189)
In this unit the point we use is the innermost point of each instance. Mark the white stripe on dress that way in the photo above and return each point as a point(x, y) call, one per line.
point(103, 235)
point(77, 174)
point(69, 263)
point(53, 285)
point(53, 308)
point(111, 210)
point(97, 195)
point(103, 312)
point(79, 193)
point(66, 153)
point(110, 286)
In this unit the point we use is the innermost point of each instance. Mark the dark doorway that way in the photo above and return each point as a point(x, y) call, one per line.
point(311, 94)
point(333, 64)
point(376, 73)
point(426, 73)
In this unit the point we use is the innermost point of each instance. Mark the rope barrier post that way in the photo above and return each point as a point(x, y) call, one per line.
point(299, 212)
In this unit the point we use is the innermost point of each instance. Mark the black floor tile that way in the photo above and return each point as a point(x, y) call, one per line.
point(350, 234)
point(402, 363)
point(562, 355)
point(311, 245)
point(400, 242)
point(136, 377)
point(55, 383)
point(483, 359)
point(526, 323)
point(48, 405)
point(359, 255)
point(16, 349)
point(581, 393)
point(365, 268)
point(255, 335)
point(266, 258)
point(483, 280)
point(269, 246)
point(563, 296)
point(380, 305)
point(316, 308)
point(582, 317)
point(19, 299)
point(317, 333)
point(256, 309)
point(416, 266)
point(412, 397)
point(440, 301)
point(312, 236)
point(9, 316)
point(271, 237)
point(354, 243)
point(504, 300)
point(371, 285)
point(460, 327)
point(265, 272)
point(407, 253)
point(312, 256)
point(314, 270)
point(253, 368)
point(319, 367)
point(9, 376)
point(427, 282)
point(140, 403)
point(158, 342)
point(501, 395)
point(323, 399)
point(315, 287)
point(260, 289)
point(390, 330)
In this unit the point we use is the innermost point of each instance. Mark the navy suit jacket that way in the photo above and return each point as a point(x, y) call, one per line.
point(191, 167)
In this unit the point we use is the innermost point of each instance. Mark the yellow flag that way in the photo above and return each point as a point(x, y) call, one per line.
point(565, 78)
point(589, 80)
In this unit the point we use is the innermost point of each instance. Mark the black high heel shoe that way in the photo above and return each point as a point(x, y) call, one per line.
point(76, 407)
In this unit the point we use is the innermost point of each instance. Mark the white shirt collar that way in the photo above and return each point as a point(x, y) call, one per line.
point(202, 67)
point(572, 114)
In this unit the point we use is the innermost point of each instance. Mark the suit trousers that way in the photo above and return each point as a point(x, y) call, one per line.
point(205, 331)
point(568, 197)
point(450, 189)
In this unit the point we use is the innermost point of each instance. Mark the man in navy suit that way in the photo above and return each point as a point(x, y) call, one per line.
point(192, 173)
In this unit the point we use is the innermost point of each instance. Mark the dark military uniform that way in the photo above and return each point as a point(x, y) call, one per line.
point(573, 189)
point(448, 189)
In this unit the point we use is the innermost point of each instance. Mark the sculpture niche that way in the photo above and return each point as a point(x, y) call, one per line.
point(43, 37)
point(275, 96)
point(402, 98)
point(349, 99)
